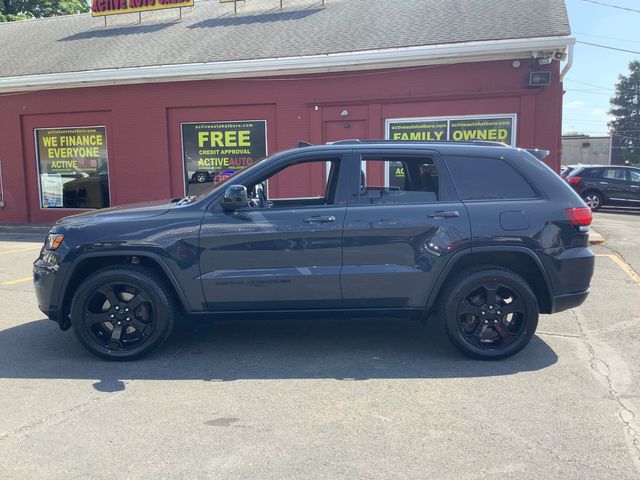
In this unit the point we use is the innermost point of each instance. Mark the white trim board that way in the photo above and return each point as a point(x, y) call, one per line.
point(333, 62)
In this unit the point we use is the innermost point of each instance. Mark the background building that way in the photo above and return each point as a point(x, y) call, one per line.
point(586, 150)
point(96, 115)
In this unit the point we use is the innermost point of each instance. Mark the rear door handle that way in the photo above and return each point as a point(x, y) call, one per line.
point(635, 186)
point(442, 214)
point(320, 219)
point(604, 183)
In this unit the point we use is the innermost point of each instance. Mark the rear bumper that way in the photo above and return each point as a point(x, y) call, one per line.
point(569, 300)
point(570, 275)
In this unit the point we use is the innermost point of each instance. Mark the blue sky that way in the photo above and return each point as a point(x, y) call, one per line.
point(586, 106)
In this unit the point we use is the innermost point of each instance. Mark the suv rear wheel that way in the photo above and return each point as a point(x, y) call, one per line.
point(489, 313)
point(593, 200)
point(123, 313)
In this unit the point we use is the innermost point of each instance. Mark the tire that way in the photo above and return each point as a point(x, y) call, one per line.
point(479, 327)
point(137, 320)
point(593, 200)
point(201, 177)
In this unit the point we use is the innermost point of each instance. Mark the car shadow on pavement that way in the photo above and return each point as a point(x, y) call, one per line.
point(348, 350)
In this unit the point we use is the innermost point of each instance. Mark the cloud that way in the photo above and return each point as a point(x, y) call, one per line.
point(574, 104)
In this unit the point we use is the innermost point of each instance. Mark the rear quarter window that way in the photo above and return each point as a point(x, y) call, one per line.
point(478, 178)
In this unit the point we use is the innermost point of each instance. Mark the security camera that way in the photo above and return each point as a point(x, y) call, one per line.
point(544, 57)
point(559, 55)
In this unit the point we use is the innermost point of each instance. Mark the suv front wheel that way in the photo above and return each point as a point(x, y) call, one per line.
point(489, 313)
point(123, 313)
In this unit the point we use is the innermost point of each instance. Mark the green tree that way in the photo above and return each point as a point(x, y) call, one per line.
point(625, 108)
point(11, 10)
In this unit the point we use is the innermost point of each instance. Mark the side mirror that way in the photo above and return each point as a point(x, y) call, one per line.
point(235, 197)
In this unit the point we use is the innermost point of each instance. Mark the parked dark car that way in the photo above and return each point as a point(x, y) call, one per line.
point(601, 185)
point(479, 236)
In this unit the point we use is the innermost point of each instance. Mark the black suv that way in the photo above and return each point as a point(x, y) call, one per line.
point(485, 236)
point(600, 185)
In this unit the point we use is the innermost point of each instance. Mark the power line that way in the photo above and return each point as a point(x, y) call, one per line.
point(590, 84)
point(612, 6)
point(635, 52)
point(606, 38)
point(591, 92)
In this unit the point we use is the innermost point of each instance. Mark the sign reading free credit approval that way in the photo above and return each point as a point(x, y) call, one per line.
point(214, 150)
point(498, 128)
point(100, 8)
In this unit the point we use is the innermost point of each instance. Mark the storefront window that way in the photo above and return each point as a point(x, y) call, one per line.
point(213, 151)
point(73, 167)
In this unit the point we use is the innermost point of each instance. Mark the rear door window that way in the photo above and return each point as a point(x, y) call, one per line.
point(488, 179)
point(589, 173)
point(614, 174)
point(397, 179)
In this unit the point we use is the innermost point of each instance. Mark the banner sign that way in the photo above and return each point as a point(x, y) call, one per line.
point(498, 128)
point(214, 150)
point(495, 128)
point(71, 150)
point(73, 167)
point(100, 8)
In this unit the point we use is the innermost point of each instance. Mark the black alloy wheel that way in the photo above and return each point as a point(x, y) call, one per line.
point(490, 313)
point(120, 316)
point(122, 313)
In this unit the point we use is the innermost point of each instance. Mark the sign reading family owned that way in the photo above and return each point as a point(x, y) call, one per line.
point(214, 150)
point(496, 129)
point(113, 7)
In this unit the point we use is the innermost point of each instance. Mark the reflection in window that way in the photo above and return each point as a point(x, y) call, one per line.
point(398, 180)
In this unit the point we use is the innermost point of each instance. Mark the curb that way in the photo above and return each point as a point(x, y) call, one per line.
point(595, 238)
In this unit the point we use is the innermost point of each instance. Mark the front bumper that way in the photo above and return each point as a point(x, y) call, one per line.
point(46, 280)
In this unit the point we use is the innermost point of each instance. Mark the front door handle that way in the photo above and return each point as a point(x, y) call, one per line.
point(635, 186)
point(442, 214)
point(320, 219)
point(604, 183)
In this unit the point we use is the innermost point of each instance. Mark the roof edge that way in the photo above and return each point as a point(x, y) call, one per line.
point(333, 62)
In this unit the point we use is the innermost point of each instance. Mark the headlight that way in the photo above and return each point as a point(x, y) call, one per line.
point(53, 241)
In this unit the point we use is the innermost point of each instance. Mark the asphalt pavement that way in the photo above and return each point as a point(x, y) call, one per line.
point(327, 398)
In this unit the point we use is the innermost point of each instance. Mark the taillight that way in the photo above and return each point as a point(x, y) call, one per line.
point(580, 217)
point(573, 180)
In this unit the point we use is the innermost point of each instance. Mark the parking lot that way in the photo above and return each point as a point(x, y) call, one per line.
point(327, 398)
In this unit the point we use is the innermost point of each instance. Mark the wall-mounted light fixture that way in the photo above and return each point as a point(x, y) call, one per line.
point(539, 79)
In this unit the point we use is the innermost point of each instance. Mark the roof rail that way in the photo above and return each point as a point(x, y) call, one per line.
point(398, 142)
